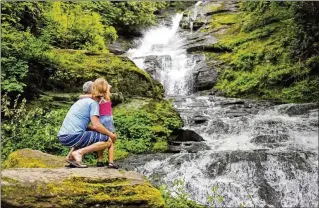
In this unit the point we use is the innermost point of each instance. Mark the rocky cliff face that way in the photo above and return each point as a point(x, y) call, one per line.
point(72, 187)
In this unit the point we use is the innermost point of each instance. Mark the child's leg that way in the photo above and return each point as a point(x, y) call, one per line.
point(111, 157)
point(69, 156)
point(100, 155)
point(111, 153)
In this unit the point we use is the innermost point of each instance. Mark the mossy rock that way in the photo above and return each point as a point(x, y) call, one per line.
point(75, 67)
point(28, 158)
point(75, 187)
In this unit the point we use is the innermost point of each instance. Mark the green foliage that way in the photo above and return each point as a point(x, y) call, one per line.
point(35, 128)
point(303, 91)
point(30, 30)
point(145, 128)
point(259, 59)
point(21, 53)
point(70, 26)
point(214, 197)
point(142, 129)
point(160, 146)
point(128, 17)
point(178, 197)
point(13, 74)
point(306, 17)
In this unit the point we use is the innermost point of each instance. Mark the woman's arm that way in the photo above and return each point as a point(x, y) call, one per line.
point(86, 96)
point(97, 126)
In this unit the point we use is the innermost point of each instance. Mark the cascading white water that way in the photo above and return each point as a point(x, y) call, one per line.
point(165, 43)
point(261, 155)
point(196, 10)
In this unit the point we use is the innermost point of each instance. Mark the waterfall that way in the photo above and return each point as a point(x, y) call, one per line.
point(260, 154)
point(161, 51)
point(196, 10)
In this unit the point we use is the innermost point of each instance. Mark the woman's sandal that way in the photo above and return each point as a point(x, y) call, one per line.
point(111, 165)
point(76, 164)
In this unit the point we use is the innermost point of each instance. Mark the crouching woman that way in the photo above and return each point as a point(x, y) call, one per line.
point(73, 132)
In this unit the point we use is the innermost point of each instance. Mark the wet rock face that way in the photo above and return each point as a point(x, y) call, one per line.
point(120, 46)
point(154, 64)
point(205, 76)
point(299, 109)
point(135, 162)
point(218, 126)
point(270, 140)
point(185, 135)
point(185, 140)
point(192, 147)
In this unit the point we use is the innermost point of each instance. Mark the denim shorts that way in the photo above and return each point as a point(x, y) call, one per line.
point(108, 123)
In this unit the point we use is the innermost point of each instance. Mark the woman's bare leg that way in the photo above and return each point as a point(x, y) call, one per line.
point(78, 154)
point(69, 156)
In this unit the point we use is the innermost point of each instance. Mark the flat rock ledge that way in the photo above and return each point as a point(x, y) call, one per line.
point(76, 187)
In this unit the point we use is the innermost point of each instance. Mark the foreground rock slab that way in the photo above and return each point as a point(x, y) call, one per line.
point(74, 187)
point(35, 179)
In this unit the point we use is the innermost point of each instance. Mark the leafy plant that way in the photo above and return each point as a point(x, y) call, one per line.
point(146, 128)
point(214, 196)
point(178, 197)
point(35, 128)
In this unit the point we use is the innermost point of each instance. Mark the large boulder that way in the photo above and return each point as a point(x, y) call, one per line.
point(28, 158)
point(185, 140)
point(72, 187)
point(186, 135)
point(205, 74)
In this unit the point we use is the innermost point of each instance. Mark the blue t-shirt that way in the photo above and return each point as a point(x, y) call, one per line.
point(78, 117)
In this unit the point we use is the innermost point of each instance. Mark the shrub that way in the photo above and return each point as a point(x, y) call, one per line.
point(35, 128)
point(145, 127)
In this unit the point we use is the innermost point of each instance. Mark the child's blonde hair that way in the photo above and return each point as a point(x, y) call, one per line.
point(101, 89)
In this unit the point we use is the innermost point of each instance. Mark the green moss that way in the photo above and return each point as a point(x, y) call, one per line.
point(219, 20)
point(256, 57)
point(74, 67)
point(9, 180)
point(27, 158)
point(77, 192)
point(160, 146)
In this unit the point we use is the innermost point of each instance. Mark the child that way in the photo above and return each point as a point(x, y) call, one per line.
point(106, 119)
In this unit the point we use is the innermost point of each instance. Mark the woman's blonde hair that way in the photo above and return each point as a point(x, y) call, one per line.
point(101, 89)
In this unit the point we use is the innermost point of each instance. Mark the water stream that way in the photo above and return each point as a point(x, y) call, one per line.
point(260, 154)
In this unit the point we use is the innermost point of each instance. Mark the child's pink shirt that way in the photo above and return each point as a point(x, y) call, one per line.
point(105, 108)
